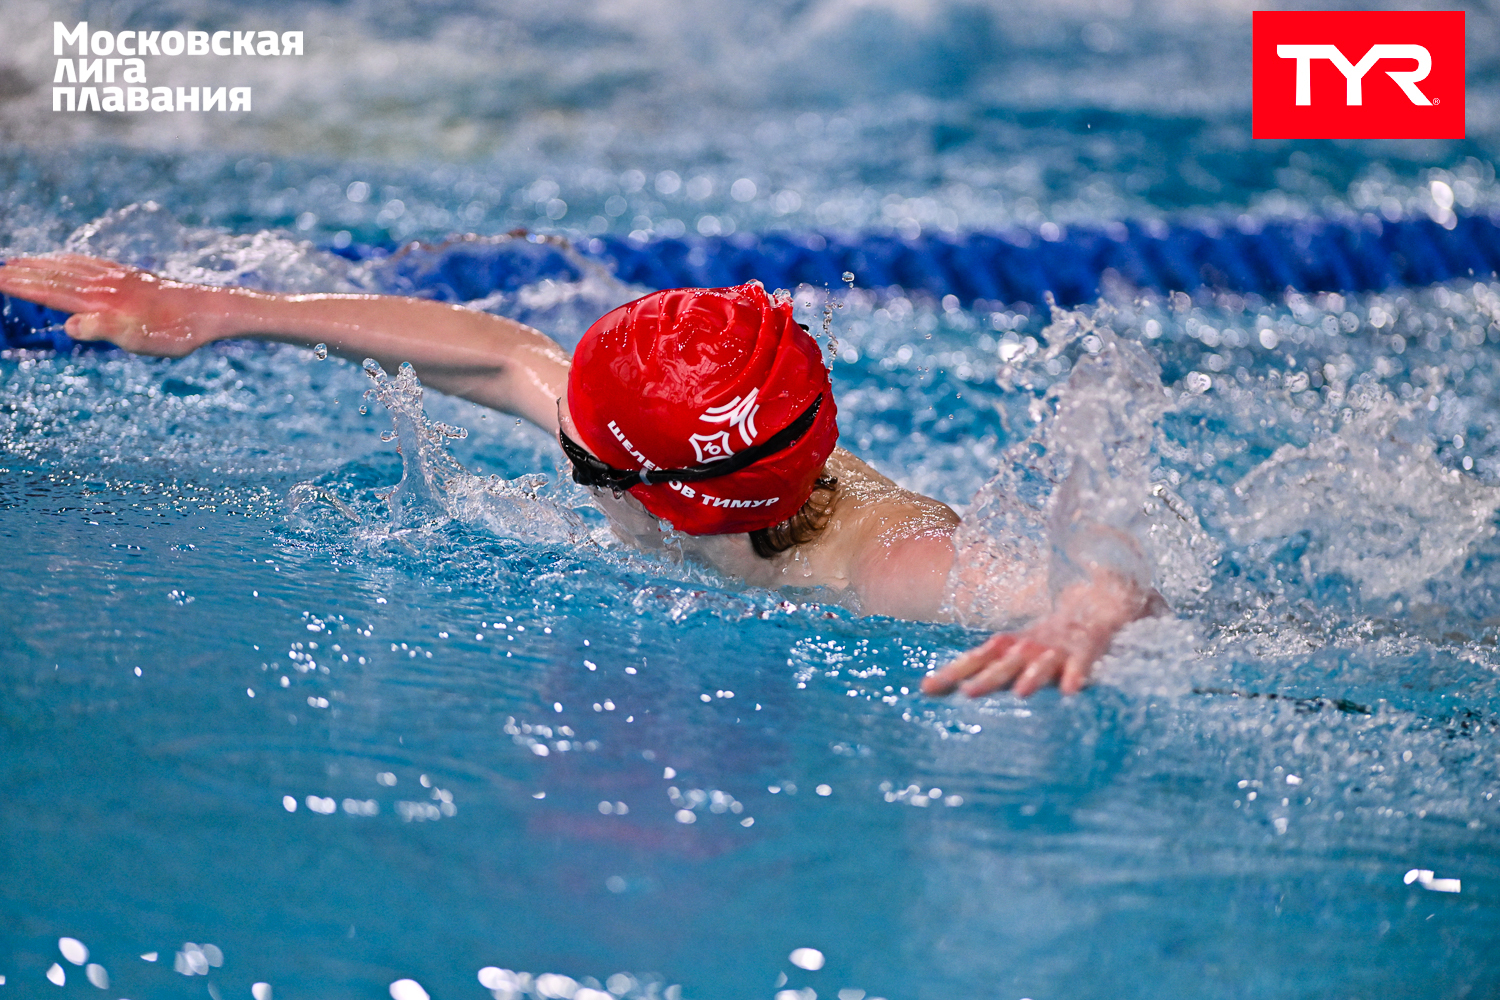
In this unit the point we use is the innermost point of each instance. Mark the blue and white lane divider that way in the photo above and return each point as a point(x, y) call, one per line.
point(1309, 255)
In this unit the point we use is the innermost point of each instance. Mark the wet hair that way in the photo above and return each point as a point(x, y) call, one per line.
point(803, 526)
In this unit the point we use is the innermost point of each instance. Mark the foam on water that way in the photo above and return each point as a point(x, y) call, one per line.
point(1087, 473)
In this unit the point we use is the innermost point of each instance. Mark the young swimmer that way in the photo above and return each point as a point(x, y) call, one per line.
point(707, 409)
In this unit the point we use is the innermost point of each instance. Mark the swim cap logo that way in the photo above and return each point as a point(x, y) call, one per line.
point(738, 412)
point(1355, 74)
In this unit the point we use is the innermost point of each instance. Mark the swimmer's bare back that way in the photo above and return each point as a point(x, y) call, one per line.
point(890, 548)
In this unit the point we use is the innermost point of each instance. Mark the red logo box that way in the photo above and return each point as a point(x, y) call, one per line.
point(1356, 74)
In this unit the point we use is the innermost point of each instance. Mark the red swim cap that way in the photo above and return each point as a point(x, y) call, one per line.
point(693, 375)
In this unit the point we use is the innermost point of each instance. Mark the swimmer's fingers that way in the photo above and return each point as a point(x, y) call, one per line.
point(1075, 674)
point(95, 326)
point(70, 269)
point(75, 264)
point(131, 308)
point(170, 339)
point(967, 664)
point(1022, 660)
point(50, 291)
point(70, 283)
point(1043, 669)
point(1023, 663)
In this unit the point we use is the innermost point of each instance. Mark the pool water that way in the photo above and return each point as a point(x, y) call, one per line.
point(302, 686)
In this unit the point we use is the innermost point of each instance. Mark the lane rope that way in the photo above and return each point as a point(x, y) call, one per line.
point(994, 269)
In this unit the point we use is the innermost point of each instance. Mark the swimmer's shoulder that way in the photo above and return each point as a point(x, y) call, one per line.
point(875, 529)
point(868, 503)
point(889, 546)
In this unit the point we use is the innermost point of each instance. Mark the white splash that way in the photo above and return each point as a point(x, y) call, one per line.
point(1082, 488)
point(435, 488)
point(1376, 505)
point(145, 234)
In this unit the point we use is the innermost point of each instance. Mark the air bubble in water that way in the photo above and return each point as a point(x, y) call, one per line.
point(321, 352)
point(849, 278)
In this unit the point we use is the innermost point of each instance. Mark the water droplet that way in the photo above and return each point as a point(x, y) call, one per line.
point(321, 352)
point(849, 278)
point(363, 410)
point(408, 989)
point(810, 959)
point(492, 978)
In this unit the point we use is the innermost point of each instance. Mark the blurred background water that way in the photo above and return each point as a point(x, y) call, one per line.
point(262, 726)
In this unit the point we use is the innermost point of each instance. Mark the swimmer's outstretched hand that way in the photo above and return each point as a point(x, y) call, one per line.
point(126, 306)
point(1060, 649)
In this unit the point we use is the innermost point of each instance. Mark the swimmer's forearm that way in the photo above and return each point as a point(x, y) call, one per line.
point(1095, 610)
point(488, 359)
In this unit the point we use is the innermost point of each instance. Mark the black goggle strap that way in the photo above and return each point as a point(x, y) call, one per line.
point(590, 471)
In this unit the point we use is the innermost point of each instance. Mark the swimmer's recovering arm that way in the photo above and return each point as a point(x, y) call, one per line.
point(490, 360)
point(899, 553)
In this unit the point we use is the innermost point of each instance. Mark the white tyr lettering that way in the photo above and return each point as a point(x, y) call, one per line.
point(1354, 73)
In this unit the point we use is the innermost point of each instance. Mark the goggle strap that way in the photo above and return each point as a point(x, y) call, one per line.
point(590, 471)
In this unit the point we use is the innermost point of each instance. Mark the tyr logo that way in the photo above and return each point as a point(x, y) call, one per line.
point(1354, 73)
point(1300, 58)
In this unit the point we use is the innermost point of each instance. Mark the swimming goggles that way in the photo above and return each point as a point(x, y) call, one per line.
point(590, 471)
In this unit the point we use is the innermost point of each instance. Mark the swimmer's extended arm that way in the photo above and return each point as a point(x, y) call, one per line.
point(493, 361)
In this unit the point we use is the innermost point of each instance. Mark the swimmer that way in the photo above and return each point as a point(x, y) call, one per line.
point(704, 410)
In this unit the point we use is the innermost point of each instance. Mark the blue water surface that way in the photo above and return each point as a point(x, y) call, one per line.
point(258, 728)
